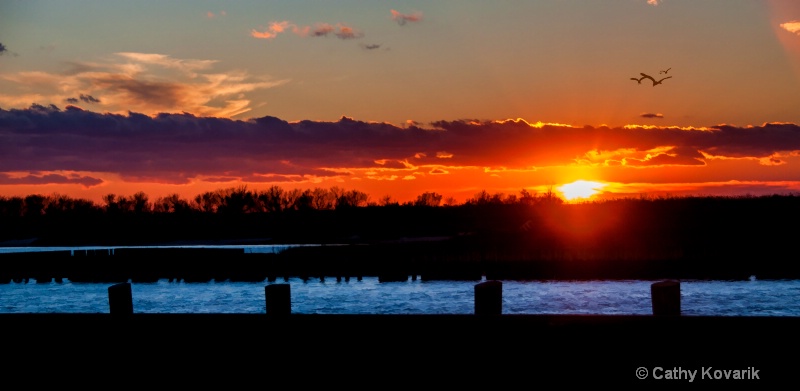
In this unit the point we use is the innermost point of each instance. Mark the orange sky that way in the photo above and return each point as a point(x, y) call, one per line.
point(453, 97)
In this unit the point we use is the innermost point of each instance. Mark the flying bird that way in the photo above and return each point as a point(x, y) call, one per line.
point(665, 72)
point(639, 80)
point(655, 83)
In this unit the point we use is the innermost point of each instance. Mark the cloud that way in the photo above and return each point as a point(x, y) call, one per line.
point(370, 46)
point(83, 98)
point(652, 115)
point(274, 29)
point(212, 15)
point(339, 30)
point(402, 19)
point(792, 27)
point(143, 82)
point(184, 148)
point(654, 2)
point(4, 50)
point(47, 179)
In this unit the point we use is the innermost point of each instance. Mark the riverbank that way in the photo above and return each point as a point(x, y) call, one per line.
point(394, 261)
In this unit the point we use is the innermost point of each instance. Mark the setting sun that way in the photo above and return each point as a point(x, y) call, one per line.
point(580, 189)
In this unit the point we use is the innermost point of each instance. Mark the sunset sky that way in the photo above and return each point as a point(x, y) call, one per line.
point(399, 98)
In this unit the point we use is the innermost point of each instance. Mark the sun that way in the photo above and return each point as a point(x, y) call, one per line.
point(580, 189)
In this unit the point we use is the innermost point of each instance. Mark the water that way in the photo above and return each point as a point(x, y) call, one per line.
point(254, 248)
point(368, 296)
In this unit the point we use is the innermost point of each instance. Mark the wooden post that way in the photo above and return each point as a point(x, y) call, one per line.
point(120, 299)
point(489, 298)
point(666, 297)
point(279, 299)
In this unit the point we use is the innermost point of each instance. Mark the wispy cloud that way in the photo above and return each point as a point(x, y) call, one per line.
point(212, 15)
point(371, 46)
point(3, 49)
point(792, 27)
point(339, 30)
point(143, 82)
point(654, 2)
point(402, 19)
point(274, 29)
point(651, 115)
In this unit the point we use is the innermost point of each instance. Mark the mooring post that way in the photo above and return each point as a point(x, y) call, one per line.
point(120, 299)
point(279, 300)
point(666, 297)
point(489, 298)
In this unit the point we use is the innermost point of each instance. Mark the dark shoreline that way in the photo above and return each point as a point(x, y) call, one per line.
point(498, 349)
point(396, 261)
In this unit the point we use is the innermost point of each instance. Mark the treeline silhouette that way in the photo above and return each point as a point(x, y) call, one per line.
point(240, 200)
point(697, 236)
point(310, 215)
point(628, 227)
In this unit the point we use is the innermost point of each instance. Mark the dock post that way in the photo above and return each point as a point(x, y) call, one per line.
point(279, 299)
point(489, 298)
point(666, 298)
point(120, 299)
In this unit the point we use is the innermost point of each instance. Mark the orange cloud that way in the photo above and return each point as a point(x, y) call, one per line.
point(319, 30)
point(402, 19)
point(792, 27)
point(144, 82)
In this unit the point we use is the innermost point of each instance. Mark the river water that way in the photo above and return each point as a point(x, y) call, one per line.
point(369, 296)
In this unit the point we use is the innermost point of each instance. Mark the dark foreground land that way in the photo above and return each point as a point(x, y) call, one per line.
point(636, 239)
point(379, 351)
point(701, 237)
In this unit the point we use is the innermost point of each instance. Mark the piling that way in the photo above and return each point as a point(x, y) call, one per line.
point(279, 300)
point(666, 297)
point(120, 299)
point(489, 298)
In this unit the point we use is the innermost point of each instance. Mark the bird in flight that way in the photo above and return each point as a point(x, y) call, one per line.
point(655, 83)
point(639, 80)
point(665, 72)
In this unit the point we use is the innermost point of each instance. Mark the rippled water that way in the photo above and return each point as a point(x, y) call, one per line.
point(368, 296)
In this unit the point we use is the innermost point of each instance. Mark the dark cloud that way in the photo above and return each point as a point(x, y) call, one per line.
point(83, 98)
point(340, 30)
point(652, 115)
point(683, 156)
point(370, 46)
point(394, 164)
point(143, 92)
point(49, 179)
point(4, 50)
point(179, 148)
point(89, 99)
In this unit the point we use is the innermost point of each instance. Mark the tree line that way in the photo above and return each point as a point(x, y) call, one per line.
point(241, 200)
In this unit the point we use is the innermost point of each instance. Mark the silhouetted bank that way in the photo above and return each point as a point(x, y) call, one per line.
point(701, 237)
point(371, 350)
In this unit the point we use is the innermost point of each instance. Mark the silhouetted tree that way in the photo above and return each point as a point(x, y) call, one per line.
point(352, 199)
point(428, 199)
point(12, 206)
point(171, 204)
point(34, 205)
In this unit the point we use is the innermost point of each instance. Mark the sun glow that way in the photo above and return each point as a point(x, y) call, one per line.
point(580, 189)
